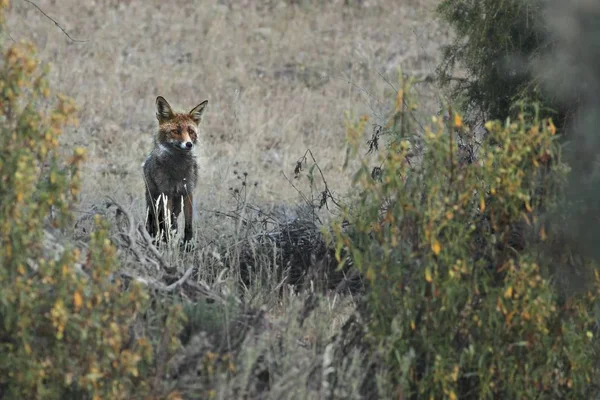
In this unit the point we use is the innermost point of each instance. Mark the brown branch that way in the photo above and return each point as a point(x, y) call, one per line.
point(55, 22)
point(154, 250)
point(158, 285)
point(130, 235)
point(180, 281)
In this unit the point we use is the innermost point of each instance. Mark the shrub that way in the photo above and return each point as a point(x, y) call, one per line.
point(66, 321)
point(495, 44)
point(457, 294)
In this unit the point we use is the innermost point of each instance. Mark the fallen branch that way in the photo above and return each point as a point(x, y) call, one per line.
point(164, 265)
point(180, 281)
point(130, 236)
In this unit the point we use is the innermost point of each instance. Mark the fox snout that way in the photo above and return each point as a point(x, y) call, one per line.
point(185, 144)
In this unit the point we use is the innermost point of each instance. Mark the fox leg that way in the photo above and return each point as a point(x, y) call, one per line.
point(175, 211)
point(152, 216)
point(158, 222)
point(167, 208)
point(187, 213)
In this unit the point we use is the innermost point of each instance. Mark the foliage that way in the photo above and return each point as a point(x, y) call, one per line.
point(66, 321)
point(458, 297)
point(495, 44)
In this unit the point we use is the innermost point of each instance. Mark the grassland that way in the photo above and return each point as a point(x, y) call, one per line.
point(279, 78)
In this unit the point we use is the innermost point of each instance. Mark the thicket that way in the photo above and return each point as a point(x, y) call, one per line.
point(462, 246)
point(541, 56)
point(457, 293)
point(66, 318)
point(496, 44)
point(478, 253)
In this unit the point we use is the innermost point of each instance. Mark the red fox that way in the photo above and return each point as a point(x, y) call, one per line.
point(171, 168)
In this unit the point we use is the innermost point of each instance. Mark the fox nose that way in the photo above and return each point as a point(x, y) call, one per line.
point(189, 145)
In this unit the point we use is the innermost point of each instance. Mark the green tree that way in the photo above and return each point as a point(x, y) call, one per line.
point(496, 43)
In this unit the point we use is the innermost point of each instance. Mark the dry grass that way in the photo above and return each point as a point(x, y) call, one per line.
point(278, 79)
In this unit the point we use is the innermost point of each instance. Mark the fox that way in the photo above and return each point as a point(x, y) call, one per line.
point(171, 169)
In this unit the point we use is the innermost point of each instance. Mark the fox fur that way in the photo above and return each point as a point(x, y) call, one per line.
point(171, 169)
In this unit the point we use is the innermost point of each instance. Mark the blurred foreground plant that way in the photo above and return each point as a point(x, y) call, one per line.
point(458, 297)
point(65, 328)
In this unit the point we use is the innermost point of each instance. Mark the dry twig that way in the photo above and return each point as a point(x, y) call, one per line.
point(55, 22)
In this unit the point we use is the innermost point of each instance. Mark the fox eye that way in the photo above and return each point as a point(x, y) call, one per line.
point(177, 131)
point(191, 131)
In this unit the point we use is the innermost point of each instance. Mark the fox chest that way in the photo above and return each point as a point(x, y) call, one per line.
point(175, 179)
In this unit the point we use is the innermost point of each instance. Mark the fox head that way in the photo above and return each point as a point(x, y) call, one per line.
point(178, 130)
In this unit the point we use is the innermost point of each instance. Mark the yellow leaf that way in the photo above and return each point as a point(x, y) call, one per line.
point(77, 300)
point(455, 372)
point(508, 292)
point(452, 395)
point(436, 247)
point(543, 234)
point(509, 317)
point(174, 396)
point(458, 121)
point(412, 325)
point(589, 334)
point(428, 275)
point(399, 100)
point(482, 204)
point(552, 128)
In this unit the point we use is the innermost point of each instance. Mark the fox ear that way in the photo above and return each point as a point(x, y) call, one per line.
point(197, 112)
point(163, 109)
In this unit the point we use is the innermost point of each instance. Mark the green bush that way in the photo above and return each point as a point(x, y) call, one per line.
point(496, 42)
point(458, 297)
point(66, 322)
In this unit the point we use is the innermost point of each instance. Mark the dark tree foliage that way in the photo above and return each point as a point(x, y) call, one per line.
point(495, 43)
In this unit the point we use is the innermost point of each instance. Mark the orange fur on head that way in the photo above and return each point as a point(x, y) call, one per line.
point(181, 127)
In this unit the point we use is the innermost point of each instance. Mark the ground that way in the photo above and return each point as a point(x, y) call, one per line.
point(279, 77)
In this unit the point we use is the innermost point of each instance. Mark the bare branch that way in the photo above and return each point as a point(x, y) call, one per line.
point(154, 250)
point(55, 22)
point(130, 235)
point(180, 281)
point(156, 285)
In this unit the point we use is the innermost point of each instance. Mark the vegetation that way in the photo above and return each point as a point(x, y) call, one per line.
point(496, 44)
point(461, 300)
point(452, 268)
point(66, 320)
